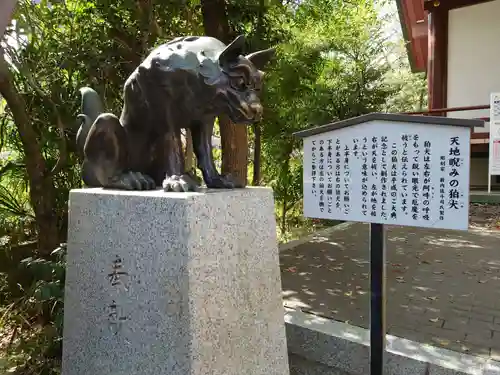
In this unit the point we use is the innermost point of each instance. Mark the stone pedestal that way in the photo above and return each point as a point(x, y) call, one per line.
point(173, 284)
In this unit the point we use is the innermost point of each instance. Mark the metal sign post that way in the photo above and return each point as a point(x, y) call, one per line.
point(377, 306)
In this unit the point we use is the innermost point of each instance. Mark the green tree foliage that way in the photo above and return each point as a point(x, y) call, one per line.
point(331, 64)
point(330, 67)
point(410, 87)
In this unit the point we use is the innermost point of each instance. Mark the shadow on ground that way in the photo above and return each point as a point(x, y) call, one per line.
point(443, 287)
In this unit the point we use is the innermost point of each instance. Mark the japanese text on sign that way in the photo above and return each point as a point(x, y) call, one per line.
point(389, 173)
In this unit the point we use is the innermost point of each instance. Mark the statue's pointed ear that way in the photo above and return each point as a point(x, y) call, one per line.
point(260, 58)
point(232, 51)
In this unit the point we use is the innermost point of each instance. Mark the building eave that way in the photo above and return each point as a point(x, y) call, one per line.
point(413, 20)
point(408, 45)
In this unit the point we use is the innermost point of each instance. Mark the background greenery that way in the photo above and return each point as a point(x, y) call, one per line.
point(335, 60)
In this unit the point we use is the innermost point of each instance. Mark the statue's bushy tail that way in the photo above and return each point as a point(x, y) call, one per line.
point(91, 108)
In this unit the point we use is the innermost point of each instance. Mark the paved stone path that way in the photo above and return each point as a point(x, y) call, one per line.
point(443, 287)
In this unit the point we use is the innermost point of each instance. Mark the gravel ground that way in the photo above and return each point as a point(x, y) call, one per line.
point(485, 216)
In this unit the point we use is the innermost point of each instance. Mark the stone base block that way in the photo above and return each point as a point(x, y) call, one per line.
point(173, 284)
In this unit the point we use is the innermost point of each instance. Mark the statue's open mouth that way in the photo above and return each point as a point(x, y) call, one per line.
point(241, 112)
point(238, 116)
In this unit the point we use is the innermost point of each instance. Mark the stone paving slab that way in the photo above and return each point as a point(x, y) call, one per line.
point(443, 287)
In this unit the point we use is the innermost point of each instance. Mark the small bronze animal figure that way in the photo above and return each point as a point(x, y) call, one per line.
point(185, 83)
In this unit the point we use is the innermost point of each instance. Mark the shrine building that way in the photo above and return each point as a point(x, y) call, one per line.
point(454, 43)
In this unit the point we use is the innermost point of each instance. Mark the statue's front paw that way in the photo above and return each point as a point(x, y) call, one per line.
point(182, 183)
point(132, 181)
point(222, 182)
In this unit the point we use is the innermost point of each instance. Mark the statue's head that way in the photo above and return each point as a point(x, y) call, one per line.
point(230, 81)
point(238, 87)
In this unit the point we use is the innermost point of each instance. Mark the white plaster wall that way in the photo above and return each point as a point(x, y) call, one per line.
point(474, 68)
point(473, 57)
point(479, 172)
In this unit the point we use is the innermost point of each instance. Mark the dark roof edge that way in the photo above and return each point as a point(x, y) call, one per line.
point(406, 38)
point(376, 116)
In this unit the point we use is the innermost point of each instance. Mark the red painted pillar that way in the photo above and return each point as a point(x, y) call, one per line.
point(437, 68)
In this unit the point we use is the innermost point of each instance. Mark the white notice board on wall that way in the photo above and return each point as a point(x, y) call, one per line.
point(389, 172)
point(494, 149)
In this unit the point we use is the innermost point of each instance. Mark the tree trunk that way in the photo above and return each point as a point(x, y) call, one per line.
point(215, 19)
point(283, 216)
point(42, 191)
point(234, 143)
point(256, 155)
point(256, 128)
point(189, 151)
point(6, 10)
